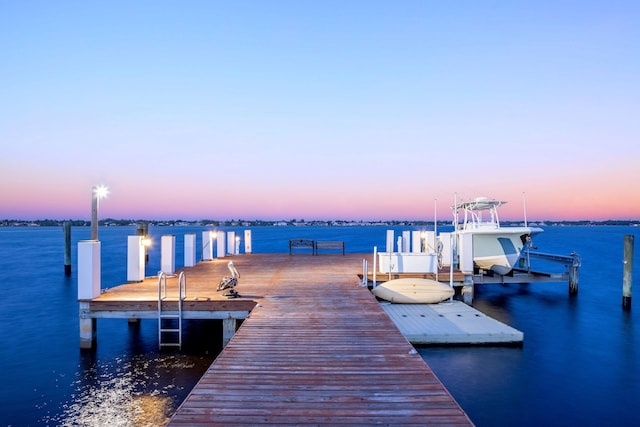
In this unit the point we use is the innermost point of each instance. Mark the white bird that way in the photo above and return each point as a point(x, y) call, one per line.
point(229, 282)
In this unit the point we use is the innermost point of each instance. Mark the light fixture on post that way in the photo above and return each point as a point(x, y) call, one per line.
point(99, 192)
point(89, 271)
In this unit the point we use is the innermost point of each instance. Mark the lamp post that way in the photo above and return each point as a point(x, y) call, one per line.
point(99, 192)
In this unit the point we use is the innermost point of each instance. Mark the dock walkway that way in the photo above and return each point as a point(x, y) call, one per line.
point(316, 350)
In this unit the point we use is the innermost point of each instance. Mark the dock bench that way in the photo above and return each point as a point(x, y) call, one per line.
point(329, 245)
point(302, 243)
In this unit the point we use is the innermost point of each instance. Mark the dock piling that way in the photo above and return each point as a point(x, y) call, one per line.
point(67, 248)
point(573, 274)
point(142, 229)
point(627, 274)
point(228, 330)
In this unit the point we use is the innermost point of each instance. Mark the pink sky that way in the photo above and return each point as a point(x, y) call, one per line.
point(281, 112)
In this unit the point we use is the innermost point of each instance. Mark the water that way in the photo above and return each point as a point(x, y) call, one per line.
point(578, 365)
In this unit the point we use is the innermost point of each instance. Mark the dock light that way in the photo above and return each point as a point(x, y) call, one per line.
point(146, 242)
point(99, 192)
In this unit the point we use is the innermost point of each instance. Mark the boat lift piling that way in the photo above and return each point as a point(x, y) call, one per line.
point(627, 272)
point(66, 227)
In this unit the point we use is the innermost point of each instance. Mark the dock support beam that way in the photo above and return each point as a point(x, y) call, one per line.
point(87, 327)
point(228, 330)
point(627, 274)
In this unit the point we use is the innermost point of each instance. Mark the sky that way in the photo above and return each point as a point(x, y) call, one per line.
point(326, 109)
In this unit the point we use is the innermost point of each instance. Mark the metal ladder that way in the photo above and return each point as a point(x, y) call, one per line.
point(165, 317)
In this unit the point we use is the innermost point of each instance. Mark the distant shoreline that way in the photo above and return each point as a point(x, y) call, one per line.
point(109, 222)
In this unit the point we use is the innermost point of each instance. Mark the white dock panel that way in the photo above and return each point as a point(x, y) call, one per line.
point(449, 323)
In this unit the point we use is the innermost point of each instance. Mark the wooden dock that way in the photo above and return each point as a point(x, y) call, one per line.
point(316, 348)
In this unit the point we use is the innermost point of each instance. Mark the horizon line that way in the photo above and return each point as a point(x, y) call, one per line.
point(300, 221)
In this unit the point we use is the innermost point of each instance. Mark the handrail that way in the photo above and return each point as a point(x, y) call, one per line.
point(182, 283)
point(161, 275)
point(162, 295)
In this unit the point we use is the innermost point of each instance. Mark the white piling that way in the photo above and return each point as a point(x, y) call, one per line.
point(389, 241)
point(231, 242)
point(207, 245)
point(406, 241)
point(416, 241)
point(135, 259)
point(465, 253)
point(375, 264)
point(88, 288)
point(88, 269)
point(168, 254)
point(190, 249)
point(221, 243)
point(247, 241)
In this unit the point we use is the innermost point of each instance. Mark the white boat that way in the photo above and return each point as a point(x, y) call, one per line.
point(413, 291)
point(495, 248)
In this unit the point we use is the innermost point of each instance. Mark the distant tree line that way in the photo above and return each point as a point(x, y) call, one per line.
point(293, 222)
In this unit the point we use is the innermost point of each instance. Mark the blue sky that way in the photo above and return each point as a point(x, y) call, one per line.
point(284, 109)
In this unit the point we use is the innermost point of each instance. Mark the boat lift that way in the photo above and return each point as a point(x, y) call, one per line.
point(523, 273)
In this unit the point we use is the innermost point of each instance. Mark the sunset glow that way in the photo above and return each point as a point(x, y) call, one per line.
point(281, 110)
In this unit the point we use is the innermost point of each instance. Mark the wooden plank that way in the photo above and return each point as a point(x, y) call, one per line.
point(317, 349)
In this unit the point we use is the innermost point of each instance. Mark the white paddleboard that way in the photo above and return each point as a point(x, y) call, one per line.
point(413, 291)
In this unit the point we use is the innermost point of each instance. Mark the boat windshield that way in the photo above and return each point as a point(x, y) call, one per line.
point(473, 213)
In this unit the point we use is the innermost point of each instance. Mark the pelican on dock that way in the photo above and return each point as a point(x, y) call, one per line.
point(230, 282)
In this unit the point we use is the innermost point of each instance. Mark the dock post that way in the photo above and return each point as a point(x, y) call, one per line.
point(207, 245)
point(142, 229)
point(88, 327)
point(406, 241)
point(467, 290)
point(416, 241)
point(627, 275)
point(168, 254)
point(135, 259)
point(88, 288)
point(228, 330)
point(375, 266)
point(247, 241)
point(231, 242)
point(67, 248)
point(573, 274)
point(389, 241)
point(189, 249)
point(221, 244)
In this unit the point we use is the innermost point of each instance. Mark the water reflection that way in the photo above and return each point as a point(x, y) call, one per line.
point(142, 390)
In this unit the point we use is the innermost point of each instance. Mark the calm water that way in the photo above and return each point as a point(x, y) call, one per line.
point(579, 364)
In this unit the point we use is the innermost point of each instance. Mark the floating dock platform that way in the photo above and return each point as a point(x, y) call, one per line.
point(449, 323)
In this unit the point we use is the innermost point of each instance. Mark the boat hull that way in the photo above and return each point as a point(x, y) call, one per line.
point(413, 291)
point(499, 249)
